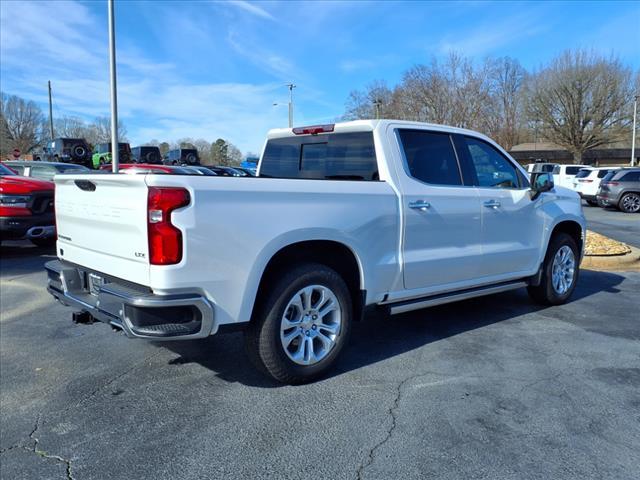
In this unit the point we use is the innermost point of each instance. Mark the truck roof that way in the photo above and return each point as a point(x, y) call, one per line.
point(370, 125)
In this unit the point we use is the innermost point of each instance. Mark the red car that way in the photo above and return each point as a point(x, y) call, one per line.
point(26, 209)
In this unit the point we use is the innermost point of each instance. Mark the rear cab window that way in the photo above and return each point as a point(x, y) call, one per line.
point(430, 157)
point(335, 156)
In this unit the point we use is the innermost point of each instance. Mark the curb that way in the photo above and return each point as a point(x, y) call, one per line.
point(626, 262)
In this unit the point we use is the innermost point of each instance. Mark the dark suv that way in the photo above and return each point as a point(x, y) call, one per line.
point(146, 154)
point(182, 156)
point(68, 150)
point(621, 189)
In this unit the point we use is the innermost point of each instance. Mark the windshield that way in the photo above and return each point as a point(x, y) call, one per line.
point(4, 170)
point(609, 176)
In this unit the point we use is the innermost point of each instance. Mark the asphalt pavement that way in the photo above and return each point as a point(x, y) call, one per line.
point(624, 227)
point(490, 388)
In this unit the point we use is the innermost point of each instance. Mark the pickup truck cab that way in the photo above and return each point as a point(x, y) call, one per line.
point(341, 218)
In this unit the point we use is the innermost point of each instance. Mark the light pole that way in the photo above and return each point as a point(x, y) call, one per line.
point(633, 131)
point(115, 157)
point(50, 112)
point(291, 87)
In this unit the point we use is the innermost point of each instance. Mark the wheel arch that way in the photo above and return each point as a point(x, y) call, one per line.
point(572, 228)
point(332, 253)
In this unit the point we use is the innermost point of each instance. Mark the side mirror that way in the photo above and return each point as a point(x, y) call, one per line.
point(540, 182)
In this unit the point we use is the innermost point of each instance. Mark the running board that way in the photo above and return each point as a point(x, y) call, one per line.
point(442, 298)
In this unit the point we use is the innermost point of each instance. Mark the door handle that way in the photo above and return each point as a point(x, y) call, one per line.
point(492, 204)
point(420, 205)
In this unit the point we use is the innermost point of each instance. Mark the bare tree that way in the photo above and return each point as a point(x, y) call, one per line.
point(505, 106)
point(71, 127)
point(234, 155)
point(99, 131)
point(21, 123)
point(451, 92)
point(581, 101)
point(375, 101)
point(204, 150)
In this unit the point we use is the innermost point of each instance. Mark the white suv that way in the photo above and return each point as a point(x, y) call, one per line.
point(587, 181)
point(563, 175)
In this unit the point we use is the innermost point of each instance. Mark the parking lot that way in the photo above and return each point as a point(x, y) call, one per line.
point(613, 223)
point(495, 387)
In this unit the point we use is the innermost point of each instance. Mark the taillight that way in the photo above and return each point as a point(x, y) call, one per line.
point(165, 240)
point(314, 129)
point(615, 184)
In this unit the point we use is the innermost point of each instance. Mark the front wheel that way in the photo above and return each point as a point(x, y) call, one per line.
point(559, 272)
point(302, 324)
point(630, 203)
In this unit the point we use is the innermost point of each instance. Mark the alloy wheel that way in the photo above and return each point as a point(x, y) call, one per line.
point(563, 269)
point(311, 325)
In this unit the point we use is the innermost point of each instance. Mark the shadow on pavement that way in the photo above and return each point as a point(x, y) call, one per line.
point(22, 257)
point(381, 337)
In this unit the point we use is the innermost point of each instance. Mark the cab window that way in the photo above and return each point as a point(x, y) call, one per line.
point(492, 169)
point(430, 157)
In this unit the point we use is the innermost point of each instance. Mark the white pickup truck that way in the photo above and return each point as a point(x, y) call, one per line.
point(378, 213)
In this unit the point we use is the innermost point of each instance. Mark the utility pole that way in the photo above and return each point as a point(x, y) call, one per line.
point(50, 111)
point(291, 87)
point(633, 132)
point(115, 157)
point(377, 103)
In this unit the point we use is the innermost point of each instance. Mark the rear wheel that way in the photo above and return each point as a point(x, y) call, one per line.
point(630, 203)
point(592, 203)
point(302, 325)
point(559, 272)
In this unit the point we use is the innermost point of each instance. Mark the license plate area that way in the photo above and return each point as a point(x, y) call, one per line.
point(95, 283)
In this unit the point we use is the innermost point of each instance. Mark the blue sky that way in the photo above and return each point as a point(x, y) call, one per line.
point(212, 69)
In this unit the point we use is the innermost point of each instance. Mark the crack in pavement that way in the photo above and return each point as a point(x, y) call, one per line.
point(392, 412)
point(85, 398)
point(44, 454)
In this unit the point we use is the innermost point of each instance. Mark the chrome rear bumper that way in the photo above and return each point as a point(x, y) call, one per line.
point(133, 308)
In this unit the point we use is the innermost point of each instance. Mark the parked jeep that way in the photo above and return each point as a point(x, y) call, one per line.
point(146, 154)
point(68, 150)
point(182, 156)
point(102, 154)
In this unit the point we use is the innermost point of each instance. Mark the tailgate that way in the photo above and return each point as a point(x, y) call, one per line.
point(101, 222)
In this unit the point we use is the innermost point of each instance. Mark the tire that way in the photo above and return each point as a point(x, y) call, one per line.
point(44, 242)
point(630, 203)
point(550, 291)
point(592, 203)
point(601, 204)
point(79, 152)
point(280, 337)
